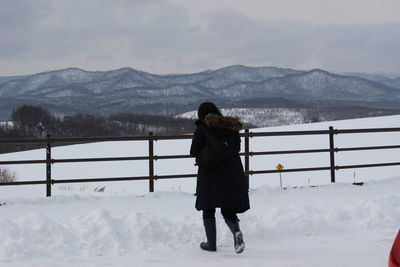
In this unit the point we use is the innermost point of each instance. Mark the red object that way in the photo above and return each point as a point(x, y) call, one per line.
point(394, 257)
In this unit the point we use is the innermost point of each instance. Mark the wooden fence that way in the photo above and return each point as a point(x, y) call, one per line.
point(49, 161)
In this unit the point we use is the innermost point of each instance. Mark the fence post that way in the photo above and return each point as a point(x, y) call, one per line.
point(48, 166)
point(246, 156)
point(151, 162)
point(332, 153)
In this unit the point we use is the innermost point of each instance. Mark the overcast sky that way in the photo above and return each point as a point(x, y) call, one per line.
point(184, 36)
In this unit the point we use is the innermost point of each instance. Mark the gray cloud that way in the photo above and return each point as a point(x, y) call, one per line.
point(18, 21)
point(162, 37)
point(360, 47)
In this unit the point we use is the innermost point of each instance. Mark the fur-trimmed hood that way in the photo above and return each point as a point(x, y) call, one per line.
point(225, 122)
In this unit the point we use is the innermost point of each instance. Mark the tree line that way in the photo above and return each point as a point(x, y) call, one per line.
point(37, 122)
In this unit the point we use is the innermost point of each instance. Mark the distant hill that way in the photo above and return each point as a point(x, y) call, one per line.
point(394, 83)
point(71, 91)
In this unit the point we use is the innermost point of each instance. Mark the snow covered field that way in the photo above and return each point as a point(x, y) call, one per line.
point(327, 225)
point(261, 117)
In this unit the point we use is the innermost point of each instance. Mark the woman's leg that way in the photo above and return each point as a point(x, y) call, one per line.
point(209, 214)
point(229, 214)
point(211, 231)
point(232, 221)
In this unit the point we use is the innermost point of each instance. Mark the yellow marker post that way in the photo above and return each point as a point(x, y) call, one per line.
point(280, 167)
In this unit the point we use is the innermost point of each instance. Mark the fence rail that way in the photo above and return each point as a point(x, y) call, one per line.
point(151, 157)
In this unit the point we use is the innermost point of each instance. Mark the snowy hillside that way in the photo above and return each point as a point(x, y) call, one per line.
point(326, 225)
point(261, 117)
point(185, 166)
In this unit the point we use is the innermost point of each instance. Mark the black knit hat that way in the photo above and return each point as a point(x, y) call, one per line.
point(206, 108)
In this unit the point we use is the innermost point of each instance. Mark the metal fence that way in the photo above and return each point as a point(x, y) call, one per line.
point(49, 161)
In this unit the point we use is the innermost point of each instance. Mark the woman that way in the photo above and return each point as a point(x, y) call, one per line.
point(223, 186)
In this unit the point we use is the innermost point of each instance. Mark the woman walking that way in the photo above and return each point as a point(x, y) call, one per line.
point(223, 186)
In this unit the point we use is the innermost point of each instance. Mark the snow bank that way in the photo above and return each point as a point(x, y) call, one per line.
point(296, 226)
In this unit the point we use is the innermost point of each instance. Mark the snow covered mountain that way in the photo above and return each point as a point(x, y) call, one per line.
point(376, 77)
point(394, 83)
point(99, 82)
point(74, 90)
point(315, 85)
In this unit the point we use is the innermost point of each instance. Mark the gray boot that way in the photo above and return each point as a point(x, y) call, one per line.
point(211, 233)
point(233, 225)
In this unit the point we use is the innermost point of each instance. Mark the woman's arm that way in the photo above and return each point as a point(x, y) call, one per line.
point(197, 142)
point(236, 145)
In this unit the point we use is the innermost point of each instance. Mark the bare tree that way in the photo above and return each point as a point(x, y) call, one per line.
point(6, 176)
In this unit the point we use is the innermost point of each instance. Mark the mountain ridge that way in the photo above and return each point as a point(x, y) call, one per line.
point(130, 90)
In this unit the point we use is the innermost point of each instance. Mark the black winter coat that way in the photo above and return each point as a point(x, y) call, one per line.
point(225, 185)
